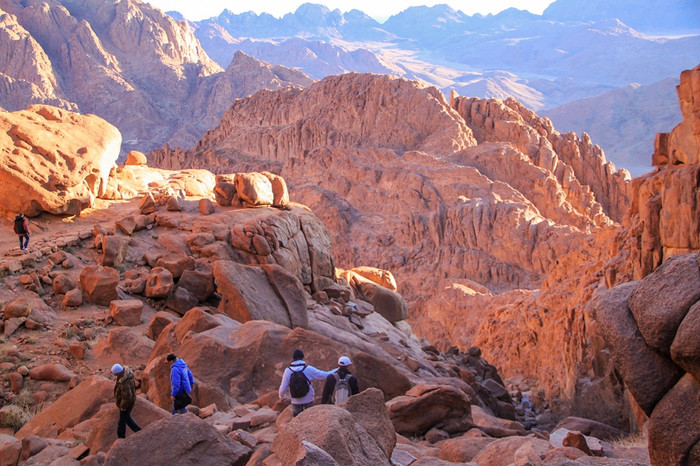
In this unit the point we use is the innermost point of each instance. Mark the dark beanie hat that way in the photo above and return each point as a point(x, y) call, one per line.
point(298, 354)
point(171, 357)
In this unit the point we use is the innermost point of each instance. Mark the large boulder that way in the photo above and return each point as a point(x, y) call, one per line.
point(674, 425)
point(182, 439)
point(73, 407)
point(389, 304)
point(662, 300)
point(58, 160)
point(123, 345)
point(99, 284)
point(105, 431)
point(332, 429)
point(260, 293)
point(426, 406)
point(255, 189)
point(647, 372)
point(368, 410)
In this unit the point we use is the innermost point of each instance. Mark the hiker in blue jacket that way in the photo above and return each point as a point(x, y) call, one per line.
point(303, 397)
point(181, 383)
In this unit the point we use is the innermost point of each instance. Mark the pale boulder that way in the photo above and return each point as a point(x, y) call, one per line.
point(58, 160)
point(136, 158)
point(255, 189)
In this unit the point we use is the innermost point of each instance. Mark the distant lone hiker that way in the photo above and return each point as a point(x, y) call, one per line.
point(297, 379)
point(125, 397)
point(22, 230)
point(340, 385)
point(181, 383)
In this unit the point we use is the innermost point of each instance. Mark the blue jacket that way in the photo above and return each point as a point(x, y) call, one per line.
point(181, 378)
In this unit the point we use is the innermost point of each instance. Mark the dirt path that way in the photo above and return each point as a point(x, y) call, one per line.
point(47, 226)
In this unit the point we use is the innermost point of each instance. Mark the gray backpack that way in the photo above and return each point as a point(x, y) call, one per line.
point(342, 389)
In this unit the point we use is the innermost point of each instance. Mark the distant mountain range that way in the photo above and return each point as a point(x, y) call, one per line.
point(575, 50)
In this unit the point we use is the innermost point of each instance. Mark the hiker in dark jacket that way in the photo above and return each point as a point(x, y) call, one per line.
point(181, 383)
point(125, 397)
point(22, 229)
point(343, 372)
point(299, 404)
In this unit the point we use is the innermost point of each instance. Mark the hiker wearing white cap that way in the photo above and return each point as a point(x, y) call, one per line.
point(125, 397)
point(340, 385)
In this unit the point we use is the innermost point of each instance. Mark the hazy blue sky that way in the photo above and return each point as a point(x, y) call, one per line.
point(380, 10)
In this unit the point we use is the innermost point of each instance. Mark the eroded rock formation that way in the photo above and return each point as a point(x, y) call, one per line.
point(460, 204)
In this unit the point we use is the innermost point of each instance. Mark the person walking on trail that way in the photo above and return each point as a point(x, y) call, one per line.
point(297, 381)
point(125, 397)
point(22, 230)
point(340, 385)
point(181, 384)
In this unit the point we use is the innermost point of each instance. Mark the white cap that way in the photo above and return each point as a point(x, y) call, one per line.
point(117, 369)
point(344, 361)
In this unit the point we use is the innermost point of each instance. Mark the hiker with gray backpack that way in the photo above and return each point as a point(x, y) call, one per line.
point(296, 381)
point(340, 385)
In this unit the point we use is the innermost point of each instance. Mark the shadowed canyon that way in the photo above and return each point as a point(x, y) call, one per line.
point(505, 294)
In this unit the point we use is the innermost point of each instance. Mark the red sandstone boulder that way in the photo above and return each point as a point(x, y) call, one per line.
point(369, 411)
point(387, 303)
point(425, 406)
point(463, 449)
point(182, 439)
point(591, 428)
point(99, 284)
point(126, 312)
point(52, 373)
point(255, 189)
point(280, 193)
point(505, 451)
point(378, 276)
point(159, 283)
point(105, 432)
point(198, 282)
point(114, 248)
point(73, 407)
point(135, 157)
point(123, 345)
point(158, 323)
point(177, 264)
point(257, 293)
point(332, 429)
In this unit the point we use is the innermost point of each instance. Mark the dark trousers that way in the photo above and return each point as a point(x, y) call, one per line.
point(23, 241)
point(296, 409)
point(126, 420)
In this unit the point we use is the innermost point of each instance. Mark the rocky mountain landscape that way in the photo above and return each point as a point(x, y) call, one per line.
point(505, 294)
point(576, 53)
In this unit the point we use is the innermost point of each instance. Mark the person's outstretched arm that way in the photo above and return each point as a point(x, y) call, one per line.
point(316, 374)
point(284, 385)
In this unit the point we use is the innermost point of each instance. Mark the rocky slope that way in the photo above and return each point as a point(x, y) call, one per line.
point(126, 62)
point(459, 209)
point(232, 276)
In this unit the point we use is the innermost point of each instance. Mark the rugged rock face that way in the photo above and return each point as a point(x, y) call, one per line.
point(651, 327)
point(126, 62)
point(54, 160)
point(664, 219)
point(488, 203)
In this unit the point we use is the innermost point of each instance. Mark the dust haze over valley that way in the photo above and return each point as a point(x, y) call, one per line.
point(235, 188)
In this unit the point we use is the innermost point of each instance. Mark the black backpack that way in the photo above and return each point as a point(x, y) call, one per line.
point(19, 225)
point(298, 383)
